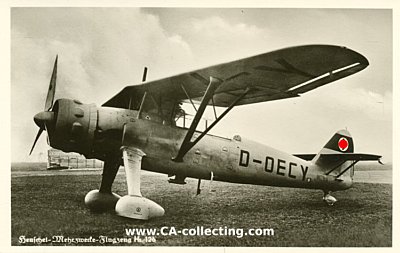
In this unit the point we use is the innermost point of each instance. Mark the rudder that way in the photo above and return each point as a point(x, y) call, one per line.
point(341, 142)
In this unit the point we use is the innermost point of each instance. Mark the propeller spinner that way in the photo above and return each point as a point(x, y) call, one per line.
point(43, 119)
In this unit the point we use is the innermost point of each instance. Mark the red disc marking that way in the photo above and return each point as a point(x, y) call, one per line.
point(343, 144)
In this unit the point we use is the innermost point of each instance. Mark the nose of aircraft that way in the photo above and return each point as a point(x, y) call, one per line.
point(43, 118)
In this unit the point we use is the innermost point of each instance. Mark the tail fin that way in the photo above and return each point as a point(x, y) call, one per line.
point(337, 156)
point(331, 158)
point(341, 142)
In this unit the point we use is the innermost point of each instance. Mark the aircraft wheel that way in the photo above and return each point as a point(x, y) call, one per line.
point(99, 201)
point(138, 207)
point(329, 199)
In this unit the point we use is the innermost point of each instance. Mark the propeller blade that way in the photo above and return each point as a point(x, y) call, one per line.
point(36, 139)
point(144, 74)
point(52, 88)
point(47, 135)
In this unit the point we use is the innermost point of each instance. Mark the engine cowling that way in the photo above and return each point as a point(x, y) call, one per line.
point(73, 127)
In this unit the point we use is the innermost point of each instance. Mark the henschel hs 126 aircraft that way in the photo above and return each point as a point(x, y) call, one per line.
point(138, 129)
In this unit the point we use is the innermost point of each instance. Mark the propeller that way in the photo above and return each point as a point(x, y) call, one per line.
point(42, 119)
point(52, 88)
point(36, 139)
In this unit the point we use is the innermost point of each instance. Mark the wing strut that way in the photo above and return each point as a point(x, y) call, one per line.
point(187, 95)
point(141, 105)
point(221, 116)
point(187, 144)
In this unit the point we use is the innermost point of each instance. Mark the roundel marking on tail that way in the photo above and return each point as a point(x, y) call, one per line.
point(343, 144)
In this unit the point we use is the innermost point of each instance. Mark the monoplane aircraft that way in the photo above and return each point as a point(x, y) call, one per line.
point(138, 128)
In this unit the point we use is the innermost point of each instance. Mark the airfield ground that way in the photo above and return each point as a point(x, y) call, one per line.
point(48, 203)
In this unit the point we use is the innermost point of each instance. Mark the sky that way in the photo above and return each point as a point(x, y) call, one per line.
point(101, 50)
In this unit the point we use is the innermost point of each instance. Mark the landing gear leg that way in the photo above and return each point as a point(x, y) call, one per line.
point(134, 205)
point(328, 198)
point(103, 199)
point(211, 180)
point(198, 187)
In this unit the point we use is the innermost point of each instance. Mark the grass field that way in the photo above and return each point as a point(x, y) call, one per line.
point(53, 205)
point(28, 166)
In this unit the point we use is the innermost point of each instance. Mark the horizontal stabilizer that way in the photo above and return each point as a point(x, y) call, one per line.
point(351, 157)
point(341, 157)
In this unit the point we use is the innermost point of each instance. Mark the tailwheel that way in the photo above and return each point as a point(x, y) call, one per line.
point(328, 198)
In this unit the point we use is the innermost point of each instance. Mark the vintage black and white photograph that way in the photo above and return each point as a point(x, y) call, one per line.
point(201, 126)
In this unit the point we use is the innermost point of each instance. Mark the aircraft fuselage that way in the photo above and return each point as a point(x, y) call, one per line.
point(100, 132)
point(234, 160)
